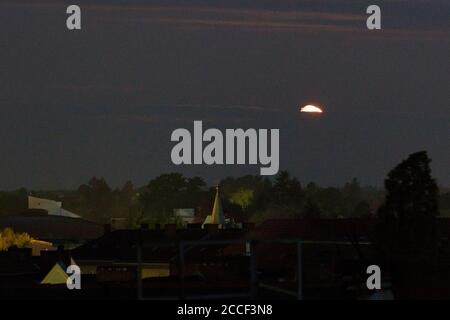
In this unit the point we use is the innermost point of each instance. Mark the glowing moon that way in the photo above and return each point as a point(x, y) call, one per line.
point(311, 108)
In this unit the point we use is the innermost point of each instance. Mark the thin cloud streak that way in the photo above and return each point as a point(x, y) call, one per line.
point(199, 18)
point(196, 18)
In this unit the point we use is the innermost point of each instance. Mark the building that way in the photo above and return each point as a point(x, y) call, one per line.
point(57, 275)
point(55, 229)
point(185, 215)
point(160, 246)
point(53, 208)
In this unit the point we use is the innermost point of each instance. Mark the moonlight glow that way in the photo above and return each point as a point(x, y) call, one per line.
point(311, 108)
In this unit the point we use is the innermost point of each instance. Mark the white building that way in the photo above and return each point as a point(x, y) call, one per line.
point(186, 215)
point(53, 208)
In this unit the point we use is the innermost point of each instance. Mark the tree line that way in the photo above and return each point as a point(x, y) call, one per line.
point(246, 198)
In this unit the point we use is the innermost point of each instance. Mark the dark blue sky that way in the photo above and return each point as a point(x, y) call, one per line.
point(103, 101)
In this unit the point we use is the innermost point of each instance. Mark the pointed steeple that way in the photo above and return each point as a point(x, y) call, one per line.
point(217, 216)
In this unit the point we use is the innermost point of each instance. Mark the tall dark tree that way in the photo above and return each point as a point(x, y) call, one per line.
point(286, 190)
point(99, 198)
point(163, 194)
point(361, 210)
point(13, 202)
point(407, 217)
point(167, 192)
point(311, 210)
point(126, 193)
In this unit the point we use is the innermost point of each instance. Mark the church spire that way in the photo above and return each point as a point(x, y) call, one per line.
point(217, 216)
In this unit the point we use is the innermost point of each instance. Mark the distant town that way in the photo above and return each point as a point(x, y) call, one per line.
point(246, 237)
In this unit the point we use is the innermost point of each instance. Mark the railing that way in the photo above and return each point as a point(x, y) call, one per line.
point(254, 283)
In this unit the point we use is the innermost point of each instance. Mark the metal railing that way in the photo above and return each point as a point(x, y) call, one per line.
point(254, 284)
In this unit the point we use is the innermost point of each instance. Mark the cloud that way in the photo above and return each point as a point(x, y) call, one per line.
point(401, 19)
point(243, 19)
point(260, 20)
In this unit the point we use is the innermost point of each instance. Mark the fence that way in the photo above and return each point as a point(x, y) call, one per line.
point(254, 283)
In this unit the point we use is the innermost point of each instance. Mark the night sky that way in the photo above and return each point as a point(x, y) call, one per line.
point(103, 101)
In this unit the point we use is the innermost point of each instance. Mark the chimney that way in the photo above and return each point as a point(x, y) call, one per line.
point(106, 228)
point(171, 229)
point(211, 228)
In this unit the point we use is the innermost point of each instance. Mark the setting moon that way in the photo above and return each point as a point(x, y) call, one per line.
point(311, 109)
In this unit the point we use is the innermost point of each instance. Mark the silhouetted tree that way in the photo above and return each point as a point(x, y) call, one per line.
point(407, 217)
point(13, 201)
point(311, 210)
point(362, 210)
point(98, 199)
point(286, 190)
point(167, 192)
point(126, 193)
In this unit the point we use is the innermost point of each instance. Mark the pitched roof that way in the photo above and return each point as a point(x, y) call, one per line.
point(56, 275)
point(48, 227)
point(51, 206)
